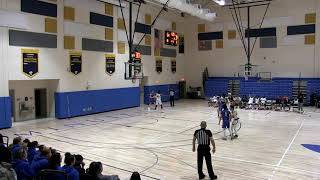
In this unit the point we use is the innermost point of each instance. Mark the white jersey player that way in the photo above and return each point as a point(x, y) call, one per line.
point(158, 101)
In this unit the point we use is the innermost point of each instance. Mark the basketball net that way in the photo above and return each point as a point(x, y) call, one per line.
point(134, 77)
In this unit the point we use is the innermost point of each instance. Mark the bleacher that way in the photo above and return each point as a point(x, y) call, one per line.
point(215, 86)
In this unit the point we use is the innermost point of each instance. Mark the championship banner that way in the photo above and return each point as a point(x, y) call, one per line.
point(181, 44)
point(173, 66)
point(30, 62)
point(110, 63)
point(75, 62)
point(159, 65)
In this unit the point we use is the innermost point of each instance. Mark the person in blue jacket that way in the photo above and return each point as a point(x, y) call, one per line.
point(21, 165)
point(16, 145)
point(69, 161)
point(55, 162)
point(41, 162)
point(32, 151)
point(40, 148)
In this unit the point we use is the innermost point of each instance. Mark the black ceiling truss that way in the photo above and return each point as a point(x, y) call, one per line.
point(235, 9)
point(130, 35)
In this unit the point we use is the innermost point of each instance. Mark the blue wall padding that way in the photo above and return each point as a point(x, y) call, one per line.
point(253, 86)
point(5, 112)
point(100, 19)
point(312, 147)
point(164, 90)
point(263, 32)
point(142, 28)
point(302, 29)
point(39, 7)
point(210, 35)
point(71, 104)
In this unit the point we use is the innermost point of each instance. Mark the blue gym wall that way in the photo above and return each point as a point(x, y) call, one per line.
point(164, 89)
point(5, 112)
point(276, 87)
point(71, 104)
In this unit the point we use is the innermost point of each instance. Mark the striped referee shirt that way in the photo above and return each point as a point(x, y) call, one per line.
point(203, 136)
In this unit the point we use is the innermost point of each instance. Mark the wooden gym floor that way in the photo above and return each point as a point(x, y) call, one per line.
point(158, 145)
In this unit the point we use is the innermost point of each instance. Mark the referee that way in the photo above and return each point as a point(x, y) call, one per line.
point(203, 137)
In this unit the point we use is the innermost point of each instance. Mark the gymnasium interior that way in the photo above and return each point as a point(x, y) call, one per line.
point(80, 77)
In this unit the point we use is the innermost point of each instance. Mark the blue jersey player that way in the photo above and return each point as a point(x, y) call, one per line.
point(225, 116)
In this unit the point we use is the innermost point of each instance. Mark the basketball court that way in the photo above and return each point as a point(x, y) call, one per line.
point(159, 144)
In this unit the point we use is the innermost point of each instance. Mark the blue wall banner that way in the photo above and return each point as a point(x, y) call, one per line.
point(159, 65)
point(110, 63)
point(173, 66)
point(75, 62)
point(30, 62)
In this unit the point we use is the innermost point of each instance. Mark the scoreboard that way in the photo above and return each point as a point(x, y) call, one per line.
point(171, 38)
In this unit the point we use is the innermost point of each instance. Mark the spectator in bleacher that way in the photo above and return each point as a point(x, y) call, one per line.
point(263, 102)
point(26, 142)
point(55, 162)
point(135, 176)
point(69, 161)
point(300, 101)
point(32, 151)
point(40, 148)
point(79, 164)
point(250, 102)
point(284, 101)
point(1, 140)
point(6, 170)
point(21, 165)
point(41, 162)
point(16, 145)
point(95, 170)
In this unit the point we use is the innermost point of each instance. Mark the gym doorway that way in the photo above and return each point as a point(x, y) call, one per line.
point(40, 102)
point(182, 89)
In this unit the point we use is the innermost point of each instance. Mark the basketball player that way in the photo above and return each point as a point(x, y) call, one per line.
point(151, 99)
point(300, 102)
point(235, 121)
point(226, 117)
point(220, 105)
point(158, 101)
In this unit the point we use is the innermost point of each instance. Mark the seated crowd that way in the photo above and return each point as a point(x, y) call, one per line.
point(255, 102)
point(25, 160)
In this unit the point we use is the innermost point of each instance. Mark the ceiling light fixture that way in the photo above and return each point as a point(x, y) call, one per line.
point(220, 2)
point(192, 9)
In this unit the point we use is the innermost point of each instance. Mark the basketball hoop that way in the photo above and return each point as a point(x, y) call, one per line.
point(248, 70)
point(133, 71)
